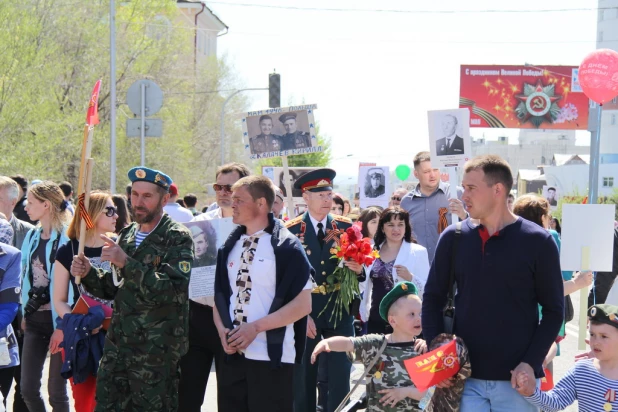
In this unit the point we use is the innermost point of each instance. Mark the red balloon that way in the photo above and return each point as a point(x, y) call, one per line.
point(598, 75)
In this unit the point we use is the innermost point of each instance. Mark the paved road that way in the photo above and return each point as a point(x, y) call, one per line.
point(562, 363)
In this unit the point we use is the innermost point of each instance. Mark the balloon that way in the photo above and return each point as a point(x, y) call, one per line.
point(402, 172)
point(598, 75)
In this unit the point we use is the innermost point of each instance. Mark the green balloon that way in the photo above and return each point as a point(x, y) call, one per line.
point(402, 172)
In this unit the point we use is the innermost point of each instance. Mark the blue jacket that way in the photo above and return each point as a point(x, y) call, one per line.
point(10, 283)
point(292, 273)
point(82, 349)
point(31, 242)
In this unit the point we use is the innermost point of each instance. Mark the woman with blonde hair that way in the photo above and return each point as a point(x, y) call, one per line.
point(102, 214)
point(47, 205)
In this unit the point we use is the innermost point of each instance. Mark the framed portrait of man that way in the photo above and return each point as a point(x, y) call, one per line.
point(373, 182)
point(449, 136)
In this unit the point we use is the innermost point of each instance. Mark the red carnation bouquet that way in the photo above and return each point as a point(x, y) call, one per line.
point(349, 246)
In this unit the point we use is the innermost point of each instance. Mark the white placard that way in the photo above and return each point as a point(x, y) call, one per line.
point(590, 226)
point(449, 137)
point(373, 183)
point(208, 236)
point(552, 195)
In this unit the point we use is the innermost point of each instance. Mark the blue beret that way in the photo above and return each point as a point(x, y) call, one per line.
point(400, 289)
point(145, 174)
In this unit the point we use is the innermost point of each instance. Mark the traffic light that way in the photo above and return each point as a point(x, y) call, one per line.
point(274, 90)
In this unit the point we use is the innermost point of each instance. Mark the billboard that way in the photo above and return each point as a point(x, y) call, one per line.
point(523, 97)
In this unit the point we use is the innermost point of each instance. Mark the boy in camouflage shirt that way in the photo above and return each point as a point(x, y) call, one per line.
point(389, 387)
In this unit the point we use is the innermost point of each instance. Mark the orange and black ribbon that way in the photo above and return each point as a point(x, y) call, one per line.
point(442, 222)
point(83, 213)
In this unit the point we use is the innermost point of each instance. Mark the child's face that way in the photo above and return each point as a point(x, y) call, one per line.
point(405, 315)
point(604, 341)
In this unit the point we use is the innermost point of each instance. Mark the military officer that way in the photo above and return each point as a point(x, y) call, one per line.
point(149, 281)
point(205, 253)
point(374, 186)
point(265, 141)
point(293, 139)
point(316, 229)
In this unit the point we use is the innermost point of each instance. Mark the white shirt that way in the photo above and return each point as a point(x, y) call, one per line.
point(315, 222)
point(264, 283)
point(178, 213)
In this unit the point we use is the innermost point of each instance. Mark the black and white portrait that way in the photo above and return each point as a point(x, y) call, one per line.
point(450, 143)
point(449, 137)
point(373, 182)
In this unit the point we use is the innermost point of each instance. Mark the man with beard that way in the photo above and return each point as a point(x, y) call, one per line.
point(149, 281)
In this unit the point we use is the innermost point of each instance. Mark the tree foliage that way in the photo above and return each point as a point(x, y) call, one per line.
point(51, 54)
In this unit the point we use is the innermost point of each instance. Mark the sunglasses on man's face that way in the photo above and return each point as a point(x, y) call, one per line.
point(111, 211)
point(219, 188)
point(395, 198)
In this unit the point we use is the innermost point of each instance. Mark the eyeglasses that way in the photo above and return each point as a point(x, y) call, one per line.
point(398, 199)
point(219, 188)
point(111, 211)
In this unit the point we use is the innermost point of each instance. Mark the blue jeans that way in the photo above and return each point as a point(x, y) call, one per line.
point(493, 396)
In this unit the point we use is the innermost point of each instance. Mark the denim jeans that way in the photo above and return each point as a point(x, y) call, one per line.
point(39, 329)
point(493, 396)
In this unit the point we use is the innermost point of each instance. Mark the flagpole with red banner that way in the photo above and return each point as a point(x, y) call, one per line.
point(85, 169)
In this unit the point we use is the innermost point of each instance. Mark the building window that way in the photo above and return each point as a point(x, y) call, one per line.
point(608, 182)
point(613, 120)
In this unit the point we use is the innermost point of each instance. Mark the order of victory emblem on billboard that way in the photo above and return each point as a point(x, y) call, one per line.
point(537, 104)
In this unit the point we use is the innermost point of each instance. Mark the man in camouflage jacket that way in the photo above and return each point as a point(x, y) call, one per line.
point(149, 284)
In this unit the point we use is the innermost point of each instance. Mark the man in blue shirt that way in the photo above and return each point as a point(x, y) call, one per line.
point(504, 268)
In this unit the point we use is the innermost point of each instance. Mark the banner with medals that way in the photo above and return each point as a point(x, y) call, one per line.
point(523, 97)
point(283, 131)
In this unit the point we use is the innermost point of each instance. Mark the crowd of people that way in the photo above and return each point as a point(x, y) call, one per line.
point(115, 316)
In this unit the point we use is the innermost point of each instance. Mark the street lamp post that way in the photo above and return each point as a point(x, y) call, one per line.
point(223, 120)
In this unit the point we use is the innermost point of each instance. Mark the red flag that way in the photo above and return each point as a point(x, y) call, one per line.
point(92, 117)
point(585, 200)
point(547, 383)
point(433, 367)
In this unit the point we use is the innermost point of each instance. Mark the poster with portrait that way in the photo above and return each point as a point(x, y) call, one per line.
point(284, 131)
point(373, 184)
point(208, 236)
point(551, 194)
point(278, 178)
point(449, 137)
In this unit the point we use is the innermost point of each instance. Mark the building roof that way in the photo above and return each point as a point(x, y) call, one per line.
point(528, 174)
point(565, 159)
point(207, 8)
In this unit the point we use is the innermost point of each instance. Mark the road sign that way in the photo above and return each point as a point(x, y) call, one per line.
point(154, 127)
point(153, 100)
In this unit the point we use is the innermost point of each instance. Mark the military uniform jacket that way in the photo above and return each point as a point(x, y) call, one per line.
point(151, 306)
point(320, 259)
point(296, 140)
point(373, 193)
point(265, 143)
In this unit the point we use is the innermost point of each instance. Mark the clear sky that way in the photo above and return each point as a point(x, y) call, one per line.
point(374, 74)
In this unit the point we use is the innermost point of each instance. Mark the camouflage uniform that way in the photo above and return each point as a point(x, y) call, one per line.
point(149, 328)
point(387, 373)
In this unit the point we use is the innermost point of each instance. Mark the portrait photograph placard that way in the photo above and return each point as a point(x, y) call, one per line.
point(208, 236)
point(449, 137)
point(551, 194)
point(373, 184)
point(278, 178)
point(284, 131)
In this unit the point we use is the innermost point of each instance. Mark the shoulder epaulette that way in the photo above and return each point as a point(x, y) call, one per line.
point(344, 219)
point(294, 221)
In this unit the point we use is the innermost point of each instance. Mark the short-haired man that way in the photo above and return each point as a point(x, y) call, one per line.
point(278, 203)
point(204, 343)
point(397, 196)
point(191, 202)
point(315, 230)
point(20, 206)
point(9, 195)
point(151, 265)
point(67, 190)
point(263, 296)
point(430, 205)
point(177, 212)
point(509, 201)
point(450, 144)
point(293, 138)
point(551, 196)
point(505, 267)
point(265, 141)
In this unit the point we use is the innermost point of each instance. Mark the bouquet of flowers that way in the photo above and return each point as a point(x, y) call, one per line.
point(349, 246)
